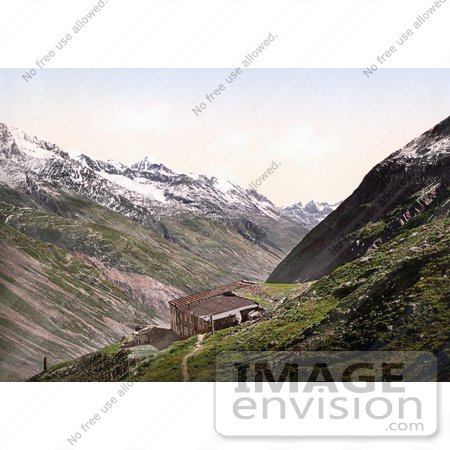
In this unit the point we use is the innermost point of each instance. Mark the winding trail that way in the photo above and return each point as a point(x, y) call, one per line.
point(185, 359)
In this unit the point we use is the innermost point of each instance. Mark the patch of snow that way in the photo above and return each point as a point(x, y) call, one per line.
point(74, 154)
point(138, 185)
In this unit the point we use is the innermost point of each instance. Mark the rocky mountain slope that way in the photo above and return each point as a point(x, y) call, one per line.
point(391, 194)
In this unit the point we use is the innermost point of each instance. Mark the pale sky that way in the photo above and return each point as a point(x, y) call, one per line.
point(326, 128)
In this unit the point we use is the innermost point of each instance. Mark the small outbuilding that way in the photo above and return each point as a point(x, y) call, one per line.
point(158, 337)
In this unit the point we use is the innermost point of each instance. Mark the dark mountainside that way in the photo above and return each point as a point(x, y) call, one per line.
point(391, 194)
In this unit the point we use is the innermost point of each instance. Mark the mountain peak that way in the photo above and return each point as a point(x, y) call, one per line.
point(312, 212)
point(31, 145)
point(429, 146)
point(149, 162)
point(146, 184)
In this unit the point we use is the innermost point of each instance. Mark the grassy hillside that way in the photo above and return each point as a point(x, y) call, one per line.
point(117, 249)
point(396, 298)
point(112, 363)
point(220, 250)
point(55, 304)
point(70, 286)
point(76, 276)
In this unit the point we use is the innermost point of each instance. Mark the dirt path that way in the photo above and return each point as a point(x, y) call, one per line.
point(185, 359)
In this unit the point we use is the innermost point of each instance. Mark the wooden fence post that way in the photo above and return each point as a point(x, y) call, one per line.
point(212, 323)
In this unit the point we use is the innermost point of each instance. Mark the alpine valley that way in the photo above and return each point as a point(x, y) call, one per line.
point(373, 275)
point(90, 249)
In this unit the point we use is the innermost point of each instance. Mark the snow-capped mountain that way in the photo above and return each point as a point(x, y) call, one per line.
point(175, 189)
point(311, 213)
point(147, 183)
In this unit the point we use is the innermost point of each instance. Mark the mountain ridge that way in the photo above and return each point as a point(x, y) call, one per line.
point(392, 193)
point(311, 213)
